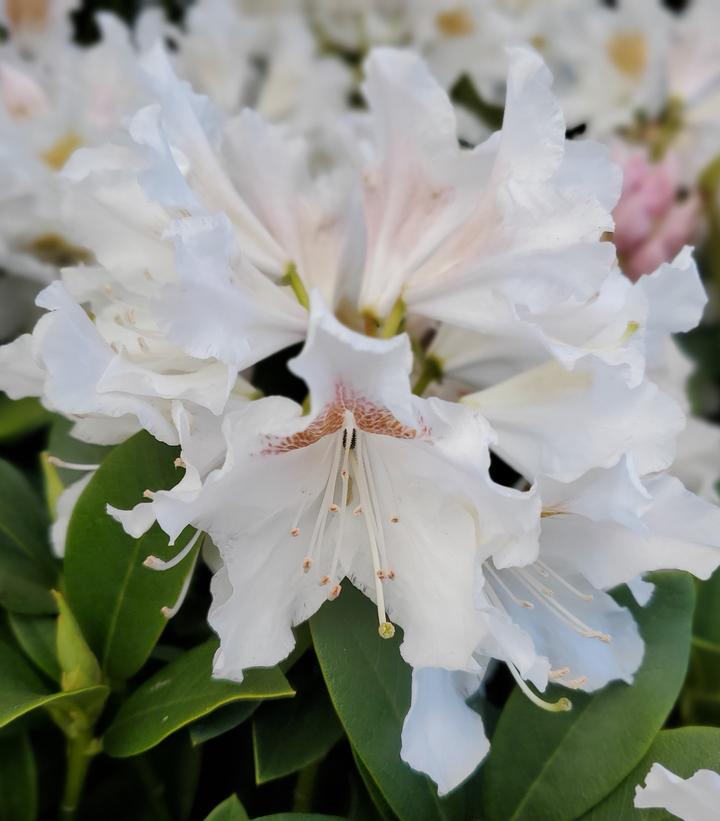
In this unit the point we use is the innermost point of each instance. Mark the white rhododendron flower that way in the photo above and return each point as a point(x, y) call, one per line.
point(691, 799)
point(375, 484)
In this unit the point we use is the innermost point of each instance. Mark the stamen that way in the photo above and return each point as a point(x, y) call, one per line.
point(169, 612)
point(363, 460)
point(306, 565)
point(295, 531)
point(555, 607)
point(61, 463)
point(319, 528)
point(385, 629)
point(562, 705)
point(345, 476)
point(544, 570)
point(154, 563)
point(179, 462)
point(575, 682)
point(520, 602)
point(149, 494)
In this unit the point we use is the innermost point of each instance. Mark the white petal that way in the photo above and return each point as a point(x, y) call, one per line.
point(65, 506)
point(691, 799)
point(20, 374)
point(563, 423)
point(443, 737)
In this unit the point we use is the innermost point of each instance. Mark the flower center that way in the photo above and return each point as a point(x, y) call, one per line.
point(352, 471)
point(628, 52)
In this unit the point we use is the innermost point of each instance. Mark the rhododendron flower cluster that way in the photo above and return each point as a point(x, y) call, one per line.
point(491, 432)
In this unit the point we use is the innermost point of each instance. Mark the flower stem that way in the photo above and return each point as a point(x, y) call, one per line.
point(304, 788)
point(394, 320)
point(81, 749)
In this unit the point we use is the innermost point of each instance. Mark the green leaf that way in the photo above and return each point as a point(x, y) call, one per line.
point(700, 701)
point(27, 570)
point(291, 734)
point(584, 754)
point(180, 693)
point(221, 721)
point(369, 685)
point(299, 816)
point(20, 417)
point(682, 751)
point(116, 601)
point(229, 810)
point(79, 666)
point(465, 94)
point(379, 804)
point(22, 690)
point(18, 780)
point(62, 445)
point(37, 636)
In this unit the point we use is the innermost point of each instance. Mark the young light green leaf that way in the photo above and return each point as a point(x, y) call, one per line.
point(37, 636)
point(369, 685)
point(18, 780)
point(116, 600)
point(27, 570)
point(229, 810)
point(584, 754)
point(179, 694)
point(78, 664)
point(682, 751)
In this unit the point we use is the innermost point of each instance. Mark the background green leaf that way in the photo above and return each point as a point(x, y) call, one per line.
point(180, 693)
point(229, 810)
point(581, 756)
point(27, 569)
point(18, 780)
point(289, 735)
point(682, 751)
point(116, 601)
point(20, 417)
point(37, 636)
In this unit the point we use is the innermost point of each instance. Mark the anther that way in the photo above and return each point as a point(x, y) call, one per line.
point(334, 508)
point(576, 682)
point(179, 462)
point(386, 630)
point(559, 673)
point(295, 531)
point(381, 575)
point(394, 519)
point(335, 592)
point(390, 574)
point(324, 580)
point(358, 510)
point(306, 565)
point(149, 494)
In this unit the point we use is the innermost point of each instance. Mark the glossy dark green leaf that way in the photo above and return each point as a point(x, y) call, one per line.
point(584, 754)
point(369, 685)
point(229, 810)
point(22, 690)
point(18, 780)
point(179, 694)
point(682, 751)
point(299, 816)
point(289, 735)
point(37, 636)
point(701, 696)
point(27, 570)
point(116, 600)
point(221, 721)
point(20, 417)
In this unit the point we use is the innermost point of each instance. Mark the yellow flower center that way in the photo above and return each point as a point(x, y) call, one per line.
point(455, 23)
point(59, 152)
point(628, 52)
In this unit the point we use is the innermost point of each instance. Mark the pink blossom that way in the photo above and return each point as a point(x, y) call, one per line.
point(653, 220)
